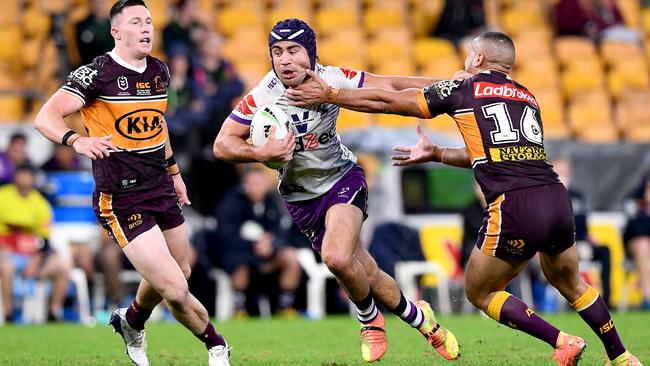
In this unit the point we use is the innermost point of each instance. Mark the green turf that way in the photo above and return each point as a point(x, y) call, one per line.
point(333, 341)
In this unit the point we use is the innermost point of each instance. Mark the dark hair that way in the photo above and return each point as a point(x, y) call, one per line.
point(122, 4)
point(25, 167)
point(17, 136)
point(498, 37)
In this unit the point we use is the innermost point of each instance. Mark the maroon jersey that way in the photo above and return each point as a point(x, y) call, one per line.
point(501, 124)
point(128, 103)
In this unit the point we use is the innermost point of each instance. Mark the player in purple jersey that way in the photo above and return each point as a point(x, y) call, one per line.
point(324, 189)
point(528, 208)
point(122, 96)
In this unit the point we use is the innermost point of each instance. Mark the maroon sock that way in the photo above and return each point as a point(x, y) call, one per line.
point(509, 310)
point(210, 337)
point(601, 322)
point(136, 315)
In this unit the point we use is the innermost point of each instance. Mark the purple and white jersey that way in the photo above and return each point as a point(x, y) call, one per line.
point(320, 159)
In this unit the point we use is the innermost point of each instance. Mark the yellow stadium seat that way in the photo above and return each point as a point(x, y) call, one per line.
point(515, 21)
point(12, 108)
point(613, 52)
point(392, 120)
point(36, 23)
point(282, 13)
point(582, 76)
point(252, 71)
point(633, 116)
point(380, 18)
point(645, 19)
point(427, 49)
point(231, 20)
point(30, 52)
point(247, 44)
point(553, 113)
point(380, 50)
point(592, 122)
point(569, 49)
point(10, 14)
point(441, 68)
point(350, 120)
point(395, 67)
point(626, 75)
point(334, 52)
point(160, 13)
point(329, 20)
point(9, 39)
point(538, 74)
point(630, 10)
point(530, 49)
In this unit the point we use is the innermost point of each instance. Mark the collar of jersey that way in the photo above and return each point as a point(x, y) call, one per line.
point(121, 62)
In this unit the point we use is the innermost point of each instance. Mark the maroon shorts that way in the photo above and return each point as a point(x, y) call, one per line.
point(124, 217)
point(520, 223)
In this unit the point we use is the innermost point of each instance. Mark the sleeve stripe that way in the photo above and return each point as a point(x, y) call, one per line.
point(422, 103)
point(362, 79)
point(73, 92)
point(243, 121)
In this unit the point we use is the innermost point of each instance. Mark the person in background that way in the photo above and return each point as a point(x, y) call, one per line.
point(25, 219)
point(64, 158)
point(586, 247)
point(251, 235)
point(184, 30)
point(637, 238)
point(15, 154)
point(93, 33)
point(596, 19)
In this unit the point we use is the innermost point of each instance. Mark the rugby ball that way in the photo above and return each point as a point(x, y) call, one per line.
point(264, 118)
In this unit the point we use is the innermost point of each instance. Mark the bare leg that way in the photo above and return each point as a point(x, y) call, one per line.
point(343, 224)
point(58, 271)
point(384, 288)
point(7, 273)
point(486, 278)
point(162, 274)
point(290, 271)
point(640, 248)
point(110, 263)
point(561, 270)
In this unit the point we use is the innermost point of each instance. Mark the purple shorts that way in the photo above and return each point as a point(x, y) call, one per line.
point(309, 215)
point(125, 217)
point(522, 222)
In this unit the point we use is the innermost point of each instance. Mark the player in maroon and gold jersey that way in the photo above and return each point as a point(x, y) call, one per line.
point(528, 210)
point(122, 96)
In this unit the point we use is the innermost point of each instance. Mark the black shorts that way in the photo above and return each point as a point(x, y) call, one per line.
point(125, 217)
point(520, 223)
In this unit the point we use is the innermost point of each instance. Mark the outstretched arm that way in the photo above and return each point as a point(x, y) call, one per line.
point(393, 82)
point(408, 102)
point(425, 150)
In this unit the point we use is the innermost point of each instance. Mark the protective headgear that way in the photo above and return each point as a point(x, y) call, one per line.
point(294, 30)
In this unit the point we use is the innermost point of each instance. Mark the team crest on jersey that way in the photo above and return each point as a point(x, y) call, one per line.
point(444, 88)
point(158, 84)
point(84, 76)
point(301, 121)
point(122, 82)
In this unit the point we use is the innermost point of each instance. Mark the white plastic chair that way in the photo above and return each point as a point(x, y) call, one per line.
point(406, 273)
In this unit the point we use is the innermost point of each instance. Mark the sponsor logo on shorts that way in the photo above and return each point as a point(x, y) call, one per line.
point(517, 153)
point(134, 221)
point(343, 192)
point(515, 246)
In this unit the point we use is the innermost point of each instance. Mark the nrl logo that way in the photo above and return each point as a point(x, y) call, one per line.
point(122, 83)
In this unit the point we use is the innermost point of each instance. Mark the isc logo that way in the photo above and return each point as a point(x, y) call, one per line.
point(143, 85)
point(607, 327)
point(141, 124)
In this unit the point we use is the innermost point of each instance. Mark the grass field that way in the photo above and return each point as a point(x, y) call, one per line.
point(331, 342)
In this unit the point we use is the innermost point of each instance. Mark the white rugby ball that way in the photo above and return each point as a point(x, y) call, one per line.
point(264, 118)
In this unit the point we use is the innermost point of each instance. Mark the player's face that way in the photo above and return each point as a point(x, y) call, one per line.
point(134, 28)
point(290, 61)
